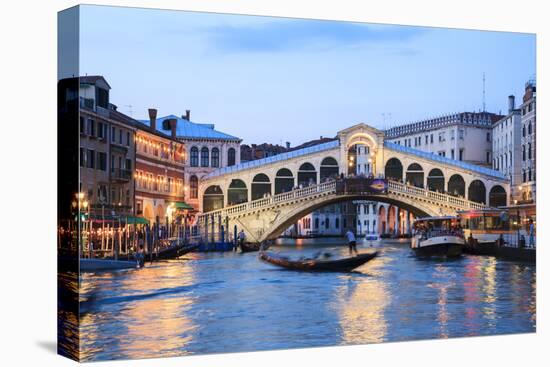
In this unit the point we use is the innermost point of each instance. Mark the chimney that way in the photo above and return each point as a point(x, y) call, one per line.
point(173, 123)
point(153, 118)
point(187, 115)
point(511, 103)
point(287, 145)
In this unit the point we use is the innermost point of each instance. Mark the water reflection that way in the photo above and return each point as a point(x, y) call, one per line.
point(150, 309)
point(362, 302)
point(230, 302)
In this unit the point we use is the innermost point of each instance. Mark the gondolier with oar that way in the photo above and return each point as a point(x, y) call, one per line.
point(242, 237)
point(352, 243)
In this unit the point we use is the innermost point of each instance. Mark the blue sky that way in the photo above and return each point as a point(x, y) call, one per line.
point(276, 79)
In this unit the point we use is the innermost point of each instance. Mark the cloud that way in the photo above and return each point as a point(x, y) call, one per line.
point(288, 35)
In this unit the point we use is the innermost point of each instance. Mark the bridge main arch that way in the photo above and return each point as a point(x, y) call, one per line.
point(284, 217)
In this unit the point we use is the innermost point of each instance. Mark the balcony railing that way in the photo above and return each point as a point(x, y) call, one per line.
point(120, 174)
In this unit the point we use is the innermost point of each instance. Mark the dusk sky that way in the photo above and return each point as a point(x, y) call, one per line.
point(276, 79)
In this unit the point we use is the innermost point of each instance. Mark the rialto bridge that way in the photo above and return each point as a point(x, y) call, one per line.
point(266, 196)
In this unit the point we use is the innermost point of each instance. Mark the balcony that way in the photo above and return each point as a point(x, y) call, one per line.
point(121, 175)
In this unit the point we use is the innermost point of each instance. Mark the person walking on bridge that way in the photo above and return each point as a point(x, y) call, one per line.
point(352, 243)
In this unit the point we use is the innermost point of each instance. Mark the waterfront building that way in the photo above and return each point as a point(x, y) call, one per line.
point(507, 146)
point(527, 186)
point(464, 136)
point(159, 174)
point(367, 217)
point(107, 151)
point(206, 149)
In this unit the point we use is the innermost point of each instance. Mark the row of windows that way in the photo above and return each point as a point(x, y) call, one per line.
point(528, 175)
point(89, 158)
point(528, 130)
point(526, 152)
point(366, 208)
point(148, 181)
point(210, 159)
point(526, 109)
point(429, 139)
point(161, 150)
point(91, 128)
point(119, 196)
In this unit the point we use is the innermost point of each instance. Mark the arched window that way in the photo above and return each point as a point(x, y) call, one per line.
point(194, 157)
point(497, 196)
point(523, 152)
point(523, 131)
point(476, 191)
point(329, 169)
point(204, 157)
point(307, 175)
point(231, 157)
point(237, 192)
point(529, 150)
point(415, 175)
point(261, 186)
point(193, 187)
point(394, 170)
point(284, 181)
point(215, 162)
point(530, 129)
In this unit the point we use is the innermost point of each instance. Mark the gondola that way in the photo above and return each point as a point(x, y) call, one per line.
point(174, 251)
point(345, 264)
point(249, 247)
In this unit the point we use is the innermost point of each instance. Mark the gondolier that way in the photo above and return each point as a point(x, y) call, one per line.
point(242, 237)
point(352, 243)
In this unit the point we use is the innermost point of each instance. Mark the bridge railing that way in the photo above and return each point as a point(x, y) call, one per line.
point(279, 198)
point(330, 186)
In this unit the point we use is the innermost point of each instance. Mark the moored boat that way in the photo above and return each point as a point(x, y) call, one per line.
point(437, 236)
point(173, 249)
point(249, 247)
point(343, 264)
point(92, 265)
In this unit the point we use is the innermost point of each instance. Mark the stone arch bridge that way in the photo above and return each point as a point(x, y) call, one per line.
point(266, 196)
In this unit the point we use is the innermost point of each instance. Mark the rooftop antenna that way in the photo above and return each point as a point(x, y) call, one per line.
point(130, 112)
point(483, 91)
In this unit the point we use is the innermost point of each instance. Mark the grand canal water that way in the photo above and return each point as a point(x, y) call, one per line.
point(230, 302)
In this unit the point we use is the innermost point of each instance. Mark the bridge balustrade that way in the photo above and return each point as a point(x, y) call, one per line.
point(333, 186)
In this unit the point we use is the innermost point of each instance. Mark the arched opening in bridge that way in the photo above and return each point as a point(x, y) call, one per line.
point(415, 175)
point(261, 186)
point(497, 196)
point(284, 181)
point(456, 186)
point(329, 169)
point(436, 180)
point(477, 192)
point(237, 192)
point(307, 175)
point(212, 199)
point(394, 170)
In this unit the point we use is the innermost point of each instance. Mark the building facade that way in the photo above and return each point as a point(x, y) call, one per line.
point(464, 136)
point(527, 187)
point(507, 146)
point(107, 151)
point(160, 172)
point(205, 149)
